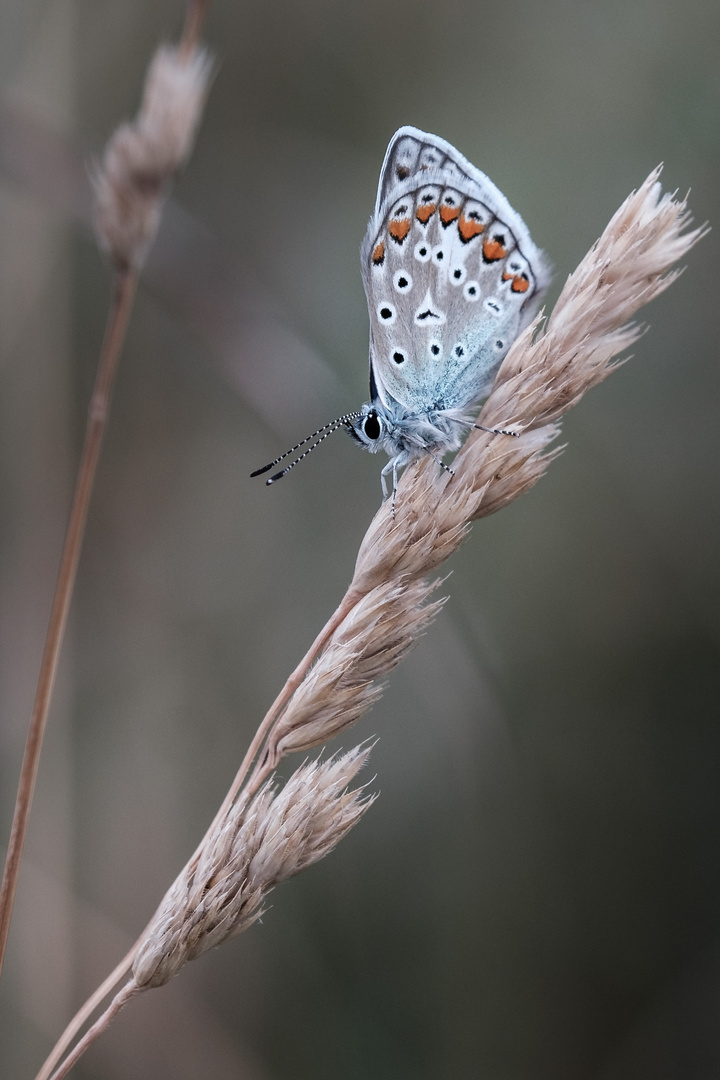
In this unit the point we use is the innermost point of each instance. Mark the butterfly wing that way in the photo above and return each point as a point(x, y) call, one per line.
point(450, 273)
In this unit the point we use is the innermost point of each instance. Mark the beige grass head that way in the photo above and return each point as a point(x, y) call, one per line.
point(141, 157)
point(255, 847)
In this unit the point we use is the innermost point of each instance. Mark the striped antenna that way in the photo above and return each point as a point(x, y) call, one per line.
point(323, 432)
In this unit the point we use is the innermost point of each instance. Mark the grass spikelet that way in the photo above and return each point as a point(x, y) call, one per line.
point(254, 848)
point(343, 684)
point(546, 372)
point(140, 157)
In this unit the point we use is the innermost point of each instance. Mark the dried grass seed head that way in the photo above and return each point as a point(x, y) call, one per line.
point(254, 848)
point(547, 371)
point(141, 157)
point(343, 684)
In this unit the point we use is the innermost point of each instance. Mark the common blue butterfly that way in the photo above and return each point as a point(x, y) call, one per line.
point(451, 277)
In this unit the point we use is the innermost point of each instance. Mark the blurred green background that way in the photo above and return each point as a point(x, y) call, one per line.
point(536, 894)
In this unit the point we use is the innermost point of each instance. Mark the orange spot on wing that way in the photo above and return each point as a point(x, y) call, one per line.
point(520, 283)
point(399, 228)
point(378, 255)
point(425, 212)
point(449, 213)
point(493, 250)
point(468, 229)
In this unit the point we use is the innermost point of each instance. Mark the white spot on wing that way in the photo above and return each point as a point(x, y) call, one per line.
point(386, 313)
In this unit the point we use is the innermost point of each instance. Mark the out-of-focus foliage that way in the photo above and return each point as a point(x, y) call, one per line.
point(536, 893)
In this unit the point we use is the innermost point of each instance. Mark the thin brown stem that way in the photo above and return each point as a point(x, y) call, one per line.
point(85, 1012)
point(118, 1002)
point(194, 20)
point(125, 286)
point(127, 282)
point(274, 712)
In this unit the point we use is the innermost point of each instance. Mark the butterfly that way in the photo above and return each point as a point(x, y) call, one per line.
point(451, 277)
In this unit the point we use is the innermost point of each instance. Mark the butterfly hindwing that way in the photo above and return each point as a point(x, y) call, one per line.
point(451, 276)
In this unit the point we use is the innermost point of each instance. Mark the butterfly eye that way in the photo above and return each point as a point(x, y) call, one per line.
point(422, 251)
point(402, 281)
point(471, 292)
point(386, 312)
point(371, 426)
point(398, 357)
point(458, 275)
point(438, 255)
point(435, 348)
point(499, 345)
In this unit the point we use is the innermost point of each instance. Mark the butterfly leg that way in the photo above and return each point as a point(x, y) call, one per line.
point(443, 466)
point(498, 431)
point(395, 463)
point(385, 471)
point(395, 480)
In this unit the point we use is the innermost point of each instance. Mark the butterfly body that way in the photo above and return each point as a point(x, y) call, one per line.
point(405, 434)
point(451, 277)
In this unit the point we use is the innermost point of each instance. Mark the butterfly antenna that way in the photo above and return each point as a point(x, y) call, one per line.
point(323, 432)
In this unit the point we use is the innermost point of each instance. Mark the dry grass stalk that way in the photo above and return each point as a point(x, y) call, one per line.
point(546, 371)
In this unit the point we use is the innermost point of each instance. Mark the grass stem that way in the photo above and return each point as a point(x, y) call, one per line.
point(124, 293)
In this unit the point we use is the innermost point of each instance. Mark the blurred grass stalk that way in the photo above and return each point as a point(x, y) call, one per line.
point(130, 184)
point(260, 837)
